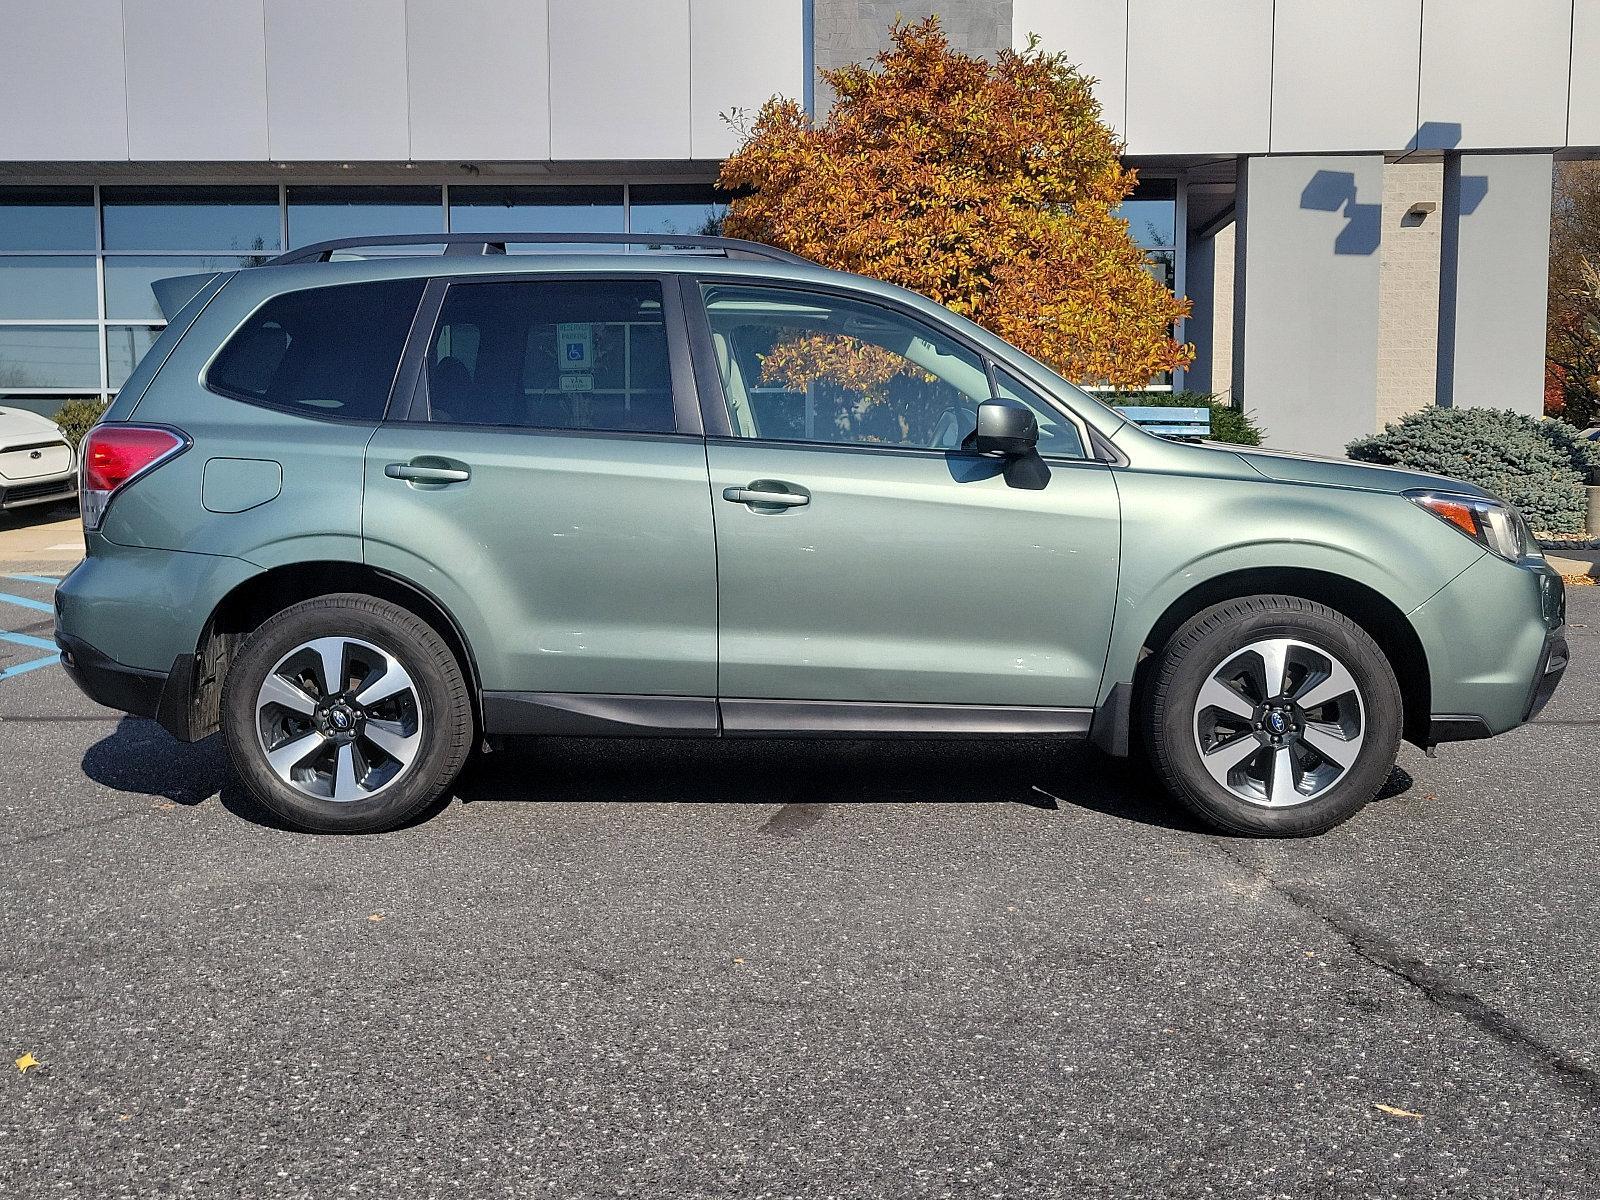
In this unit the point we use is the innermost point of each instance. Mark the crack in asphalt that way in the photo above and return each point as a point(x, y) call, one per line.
point(1374, 947)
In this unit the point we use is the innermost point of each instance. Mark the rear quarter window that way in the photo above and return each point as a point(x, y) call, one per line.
point(327, 351)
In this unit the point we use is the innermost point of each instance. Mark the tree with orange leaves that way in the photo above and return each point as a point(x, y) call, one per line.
point(990, 188)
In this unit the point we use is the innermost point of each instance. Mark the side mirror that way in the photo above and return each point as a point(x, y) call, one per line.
point(1008, 429)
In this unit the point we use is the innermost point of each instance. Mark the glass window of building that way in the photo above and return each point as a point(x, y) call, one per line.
point(240, 219)
point(676, 208)
point(320, 214)
point(478, 209)
point(47, 287)
point(46, 218)
point(125, 346)
point(128, 279)
point(49, 356)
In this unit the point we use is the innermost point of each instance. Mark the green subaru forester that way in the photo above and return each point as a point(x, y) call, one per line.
point(365, 514)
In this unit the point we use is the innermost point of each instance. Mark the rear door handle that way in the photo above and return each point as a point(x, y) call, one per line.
point(423, 472)
point(772, 493)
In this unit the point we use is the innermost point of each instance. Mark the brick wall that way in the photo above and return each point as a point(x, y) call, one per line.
point(1408, 289)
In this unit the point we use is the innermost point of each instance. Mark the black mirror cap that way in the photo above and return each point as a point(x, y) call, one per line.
point(1009, 429)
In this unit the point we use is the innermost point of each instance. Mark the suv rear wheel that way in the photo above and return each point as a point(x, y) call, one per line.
point(1273, 716)
point(346, 713)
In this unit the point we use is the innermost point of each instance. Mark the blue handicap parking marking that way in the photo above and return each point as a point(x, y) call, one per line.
point(32, 665)
point(28, 640)
point(24, 602)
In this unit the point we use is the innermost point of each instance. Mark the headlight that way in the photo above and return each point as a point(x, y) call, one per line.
point(1496, 527)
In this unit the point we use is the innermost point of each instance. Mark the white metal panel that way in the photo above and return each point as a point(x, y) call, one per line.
point(1344, 74)
point(1221, 103)
point(478, 78)
point(61, 81)
point(336, 80)
point(197, 80)
point(1583, 113)
point(619, 79)
point(1494, 74)
point(1094, 36)
point(741, 52)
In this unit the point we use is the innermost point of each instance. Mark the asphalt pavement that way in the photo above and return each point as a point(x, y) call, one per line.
point(777, 968)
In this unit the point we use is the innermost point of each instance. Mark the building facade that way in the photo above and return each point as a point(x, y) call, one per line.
point(1354, 193)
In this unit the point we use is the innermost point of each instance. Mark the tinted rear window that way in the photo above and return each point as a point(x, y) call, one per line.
point(329, 351)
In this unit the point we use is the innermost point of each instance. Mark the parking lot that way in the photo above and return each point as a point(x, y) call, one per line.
point(778, 968)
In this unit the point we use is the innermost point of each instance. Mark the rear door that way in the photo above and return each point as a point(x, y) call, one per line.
point(865, 558)
point(547, 483)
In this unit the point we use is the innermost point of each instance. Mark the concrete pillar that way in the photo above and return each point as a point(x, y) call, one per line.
point(1201, 288)
point(1493, 274)
point(1306, 297)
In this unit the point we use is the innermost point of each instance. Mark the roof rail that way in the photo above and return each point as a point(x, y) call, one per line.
point(456, 244)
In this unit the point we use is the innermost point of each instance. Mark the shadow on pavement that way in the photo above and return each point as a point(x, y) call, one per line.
point(142, 758)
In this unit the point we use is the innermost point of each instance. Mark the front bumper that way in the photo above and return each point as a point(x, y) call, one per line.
point(35, 491)
point(1495, 639)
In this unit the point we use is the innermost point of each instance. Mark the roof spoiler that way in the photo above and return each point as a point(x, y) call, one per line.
point(176, 291)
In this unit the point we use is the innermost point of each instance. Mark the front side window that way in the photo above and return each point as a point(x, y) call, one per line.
point(328, 351)
point(552, 354)
point(806, 366)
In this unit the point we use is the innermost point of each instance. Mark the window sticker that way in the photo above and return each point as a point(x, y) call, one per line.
point(575, 350)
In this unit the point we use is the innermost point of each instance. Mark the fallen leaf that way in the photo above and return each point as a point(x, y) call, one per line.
point(164, 805)
point(1397, 1112)
point(738, 960)
point(27, 1063)
point(375, 917)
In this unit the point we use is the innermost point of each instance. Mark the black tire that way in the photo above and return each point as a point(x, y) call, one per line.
point(1209, 641)
point(435, 714)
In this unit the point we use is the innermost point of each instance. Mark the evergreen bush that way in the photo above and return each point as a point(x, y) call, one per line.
point(1540, 466)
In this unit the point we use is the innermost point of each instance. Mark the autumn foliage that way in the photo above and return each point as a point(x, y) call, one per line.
point(990, 188)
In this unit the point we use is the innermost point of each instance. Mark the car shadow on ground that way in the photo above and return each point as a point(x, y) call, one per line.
point(801, 775)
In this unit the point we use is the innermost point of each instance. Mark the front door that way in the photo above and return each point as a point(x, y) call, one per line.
point(549, 489)
point(863, 555)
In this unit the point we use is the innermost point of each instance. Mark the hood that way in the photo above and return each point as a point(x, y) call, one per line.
point(18, 423)
point(1342, 472)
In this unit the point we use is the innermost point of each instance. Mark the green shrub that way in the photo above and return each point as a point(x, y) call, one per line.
point(77, 416)
point(1228, 424)
point(1540, 466)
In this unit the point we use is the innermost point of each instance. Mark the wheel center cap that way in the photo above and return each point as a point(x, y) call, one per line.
point(1277, 722)
point(340, 719)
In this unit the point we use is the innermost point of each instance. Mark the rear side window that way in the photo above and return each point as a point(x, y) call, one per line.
point(552, 354)
point(329, 351)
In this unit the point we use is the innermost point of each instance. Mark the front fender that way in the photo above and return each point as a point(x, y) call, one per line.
point(1181, 532)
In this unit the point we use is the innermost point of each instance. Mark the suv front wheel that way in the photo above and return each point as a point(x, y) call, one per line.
point(346, 713)
point(1273, 716)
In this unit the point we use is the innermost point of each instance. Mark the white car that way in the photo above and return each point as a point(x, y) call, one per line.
point(37, 465)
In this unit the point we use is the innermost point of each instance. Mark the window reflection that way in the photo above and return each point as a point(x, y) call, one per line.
point(537, 210)
point(128, 280)
point(49, 356)
point(320, 214)
point(190, 218)
point(125, 346)
point(44, 218)
point(676, 208)
point(40, 287)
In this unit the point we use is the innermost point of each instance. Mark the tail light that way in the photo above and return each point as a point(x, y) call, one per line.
point(113, 456)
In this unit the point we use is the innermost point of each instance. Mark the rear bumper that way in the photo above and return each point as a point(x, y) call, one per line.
point(160, 695)
point(36, 491)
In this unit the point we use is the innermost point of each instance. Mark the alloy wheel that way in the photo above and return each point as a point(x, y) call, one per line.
point(1279, 722)
point(339, 719)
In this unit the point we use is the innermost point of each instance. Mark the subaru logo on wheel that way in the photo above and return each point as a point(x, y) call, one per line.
point(1276, 721)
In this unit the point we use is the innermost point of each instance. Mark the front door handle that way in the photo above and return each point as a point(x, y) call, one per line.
point(425, 471)
point(768, 493)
